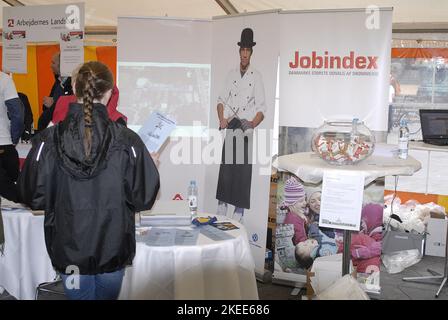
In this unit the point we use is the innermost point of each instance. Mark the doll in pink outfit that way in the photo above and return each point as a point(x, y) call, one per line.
point(366, 252)
point(295, 201)
point(365, 246)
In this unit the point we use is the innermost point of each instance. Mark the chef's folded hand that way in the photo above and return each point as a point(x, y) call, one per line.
point(223, 123)
point(246, 124)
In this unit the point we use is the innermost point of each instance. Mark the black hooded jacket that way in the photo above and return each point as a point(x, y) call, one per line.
point(89, 202)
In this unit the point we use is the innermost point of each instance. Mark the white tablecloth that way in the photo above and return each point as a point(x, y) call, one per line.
point(25, 263)
point(209, 270)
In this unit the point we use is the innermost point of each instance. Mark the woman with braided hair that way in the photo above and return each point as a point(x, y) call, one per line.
point(90, 175)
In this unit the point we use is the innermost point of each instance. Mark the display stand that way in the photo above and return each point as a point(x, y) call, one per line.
point(310, 169)
point(346, 253)
point(435, 275)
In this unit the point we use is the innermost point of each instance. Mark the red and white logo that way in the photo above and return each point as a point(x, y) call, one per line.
point(10, 23)
point(177, 196)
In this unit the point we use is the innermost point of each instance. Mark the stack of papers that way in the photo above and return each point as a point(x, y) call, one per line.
point(165, 220)
point(165, 237)
point(167, 213)
point(214, 233)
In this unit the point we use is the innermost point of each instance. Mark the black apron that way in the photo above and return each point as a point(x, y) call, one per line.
point(235, 174)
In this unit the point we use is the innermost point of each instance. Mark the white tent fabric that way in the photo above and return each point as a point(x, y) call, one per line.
point(105, 12)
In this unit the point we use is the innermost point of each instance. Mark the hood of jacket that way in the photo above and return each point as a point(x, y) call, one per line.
point(69, 135)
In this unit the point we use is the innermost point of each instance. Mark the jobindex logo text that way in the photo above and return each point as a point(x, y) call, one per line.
point(327, 61)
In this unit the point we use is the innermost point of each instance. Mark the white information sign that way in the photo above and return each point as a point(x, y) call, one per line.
point(44, 23)
point(341, 202)
point(72, 51)
point(14, 52)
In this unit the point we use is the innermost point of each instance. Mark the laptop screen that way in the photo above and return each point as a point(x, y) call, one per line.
point(434, 123)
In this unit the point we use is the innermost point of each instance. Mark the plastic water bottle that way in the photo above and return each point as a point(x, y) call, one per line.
point(354, 137)
point(403, 140)
point(193, 199)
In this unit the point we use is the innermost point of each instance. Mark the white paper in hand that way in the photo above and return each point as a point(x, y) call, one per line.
point(156, 130)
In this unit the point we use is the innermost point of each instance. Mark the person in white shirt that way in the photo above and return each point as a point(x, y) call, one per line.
point(11, 128)
point(241, 107)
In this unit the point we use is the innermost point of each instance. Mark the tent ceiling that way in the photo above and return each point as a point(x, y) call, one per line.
point(105, 12)
point(405, 11)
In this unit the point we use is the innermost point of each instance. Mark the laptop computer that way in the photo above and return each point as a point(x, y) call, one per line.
point(434, 124)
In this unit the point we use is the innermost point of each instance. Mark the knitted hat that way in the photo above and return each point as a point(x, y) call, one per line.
point(293, 191)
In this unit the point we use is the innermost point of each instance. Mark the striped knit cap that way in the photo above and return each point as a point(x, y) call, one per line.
point(294, 191)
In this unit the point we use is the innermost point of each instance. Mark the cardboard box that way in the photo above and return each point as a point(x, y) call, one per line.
point(436, 237)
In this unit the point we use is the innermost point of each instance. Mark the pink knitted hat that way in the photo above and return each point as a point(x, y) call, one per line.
point(293, 191)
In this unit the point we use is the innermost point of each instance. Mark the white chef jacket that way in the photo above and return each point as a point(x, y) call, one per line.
point(245, 95)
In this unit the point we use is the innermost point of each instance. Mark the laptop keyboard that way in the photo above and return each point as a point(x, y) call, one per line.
point(441, 142)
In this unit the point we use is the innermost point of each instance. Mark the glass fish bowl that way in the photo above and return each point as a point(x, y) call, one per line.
point(343, 142)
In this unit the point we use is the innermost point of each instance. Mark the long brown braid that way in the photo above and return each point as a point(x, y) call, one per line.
point(93, 80)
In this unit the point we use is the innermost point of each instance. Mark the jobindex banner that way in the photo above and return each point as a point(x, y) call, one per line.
point(44, 23)
point(335, 63)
